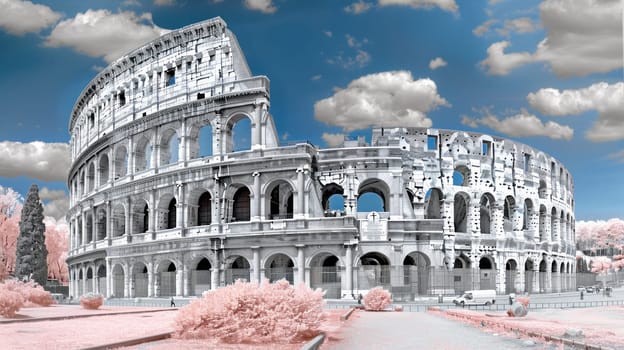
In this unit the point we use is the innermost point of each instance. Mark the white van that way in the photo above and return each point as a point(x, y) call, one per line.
point(476, 297)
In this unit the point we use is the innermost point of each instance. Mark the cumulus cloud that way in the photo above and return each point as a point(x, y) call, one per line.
point(56, 202)
point(358, 7)
point(353, 42)
point(101, 33)
point(522, 124)
point(388, 98)
point(447, 5)
point(437, 63)
point(484, 27)
point(617, 156)
point(20, 17)
point(264, 6)
point(517, 25)
point(333, 140)
point(328, 33)
point(607, 99)
point(35, 160)
point(500, 63)
point(164, 2)
point(583, 37)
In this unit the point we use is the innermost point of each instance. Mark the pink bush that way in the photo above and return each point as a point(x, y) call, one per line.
point(377, 299)
point(10, 301)
point(250, 313)
point(91, 301)
point(32, 294)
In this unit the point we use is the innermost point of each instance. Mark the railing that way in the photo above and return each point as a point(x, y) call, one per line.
point(504, 307)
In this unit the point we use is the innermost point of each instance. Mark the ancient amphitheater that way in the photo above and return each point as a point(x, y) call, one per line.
point(164, 203)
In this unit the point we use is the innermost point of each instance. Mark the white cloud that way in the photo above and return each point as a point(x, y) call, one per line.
point(517, 25)
point(584, 37)
point(360, 59)
point(353, 42)
point(618, 156)
point(333, 140)
point(328, 33)
point(358, 7)
point(494, 2)
point(389, 98)
point(447, 5)
point(56, 202)
point(101, 33)
point(264, 6)
point(607, 99)
point(20, 17)
point(500, 63)
point(164, 2)
point(35, 160)
point(522, 124)
point(437, 63)
point(129, 3)
point(316, 77)
point(484, 27)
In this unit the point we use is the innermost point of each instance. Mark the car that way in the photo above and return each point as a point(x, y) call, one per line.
point(580, 289)
point(589, 289)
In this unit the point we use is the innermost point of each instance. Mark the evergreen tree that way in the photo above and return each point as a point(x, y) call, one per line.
point(31, 252)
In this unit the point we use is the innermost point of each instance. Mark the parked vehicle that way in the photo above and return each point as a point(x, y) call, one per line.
point(589, 289)
point(580, 289)
point(476, 297)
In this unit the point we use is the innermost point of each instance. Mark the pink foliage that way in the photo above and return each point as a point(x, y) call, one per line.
point(31, 292)
point(57, 237)
point(91, 301)
point(250, 313)
point(377, 299)
point(601, 234)
point(524, 301)
point(600, 264)
point(10, 301)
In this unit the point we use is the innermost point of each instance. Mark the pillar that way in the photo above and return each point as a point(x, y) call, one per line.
point(214, 277)
point(150, 279)
point(349, 269)
point(109, 278)
point(300, 264)
point(152, 211)
point(300, 206)
point(256, 200)
point(185, 280)
point(180, 205)
point(255, 274)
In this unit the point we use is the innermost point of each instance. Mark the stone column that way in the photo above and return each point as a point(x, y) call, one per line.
point(109, 221)
point(109, 278)
point(349, 268)
point(180, 281)
point(180, 205)
point(150, 279)
point(255, 275)
point(214, 277)
point(152, 211)
point(95, 279)
point(131, 283)
point(84, 227)
point(257, 197)
point(555, 229)
point(185, 280)
point(131, 157)
point(128, 219)
point(300, 205)
point(182, 140)
point(536, 279)
point(127, 283)
point(300, 264)
point(93, 225)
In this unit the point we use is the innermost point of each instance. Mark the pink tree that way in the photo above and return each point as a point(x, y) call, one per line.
point(57, 243)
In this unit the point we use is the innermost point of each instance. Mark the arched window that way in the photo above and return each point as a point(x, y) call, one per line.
point(239, 135)
point(486, 206)
point(171, 214)
point(241, 209)
point(433, 203)
point(145, 218)
point(121, 162)
point(508, 212)
point(103, 169)
point(460, 209)
point(169, 147)
point(204, 209)
point(205, 141)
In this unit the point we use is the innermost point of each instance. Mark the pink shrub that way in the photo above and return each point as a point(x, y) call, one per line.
point(377, 299)
point(524, 301)
point(10, 301)
point(250, 313)
point(91, 301)
point(31, 293)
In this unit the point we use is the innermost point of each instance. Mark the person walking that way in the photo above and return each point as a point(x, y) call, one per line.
point(172, 302)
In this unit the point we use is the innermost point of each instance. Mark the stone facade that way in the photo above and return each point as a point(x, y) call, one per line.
point(163, 203)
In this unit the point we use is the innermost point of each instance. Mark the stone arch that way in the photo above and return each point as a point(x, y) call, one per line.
point(543, 189)
point(204, 209)
point(511, 270)
point(486, 210)
point(377, 188)
point(201, 276)
point(140, 279)
point(101, 279)
point(433, 203)
point(325, 274)
point(100, 216)
point(562, 227)
point(240, 204)
point(237, 268)
point(487, 272)
point(529, 271)
point(166, 278)
point(143, 154)
point(543, 276)
point(118, 288)
point(416, 268)
point(167, 213)
point(81, 182)
point(508, 213)
point(120, 163)
point(89, 227)
point(200, 140)
point(333, 199)
point(279, 266)
point(279, 200)
point(140, 216)
point(553, 224)
point(91, 176)
point(461, 175)
point(119, 220)
point(89, 280)
point(461, 207)
point(374, 270)
point(168, 147)
point(528, 213)
point(103, 169)
point(235, 137)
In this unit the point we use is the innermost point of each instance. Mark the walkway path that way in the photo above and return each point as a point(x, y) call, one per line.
point(418, 330)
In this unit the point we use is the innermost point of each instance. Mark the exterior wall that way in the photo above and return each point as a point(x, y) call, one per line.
point(153, 215)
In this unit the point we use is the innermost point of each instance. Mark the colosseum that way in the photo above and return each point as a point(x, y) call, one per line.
point(163, 202)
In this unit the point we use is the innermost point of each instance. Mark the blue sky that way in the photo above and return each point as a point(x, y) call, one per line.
point(546, 73)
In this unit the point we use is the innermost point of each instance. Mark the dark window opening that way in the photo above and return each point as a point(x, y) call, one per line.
point(170, 77)
point(432, 142)
point(485, 148)
point(122, 98)
point(171, 215)
point(91, 120)
point(201, 95)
